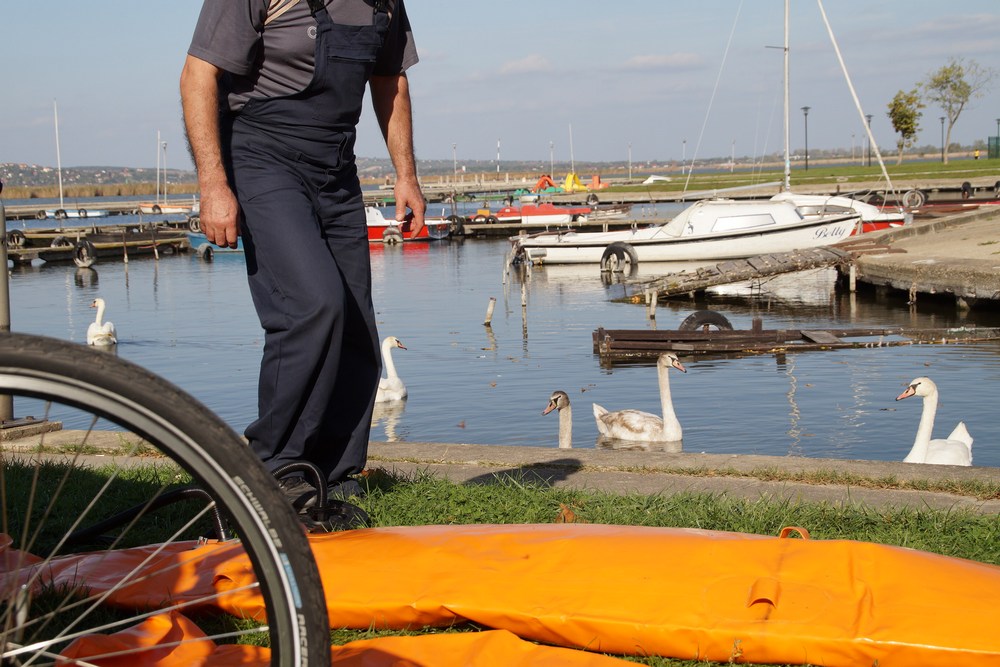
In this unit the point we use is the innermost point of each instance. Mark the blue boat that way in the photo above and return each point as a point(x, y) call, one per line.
point(200, 244)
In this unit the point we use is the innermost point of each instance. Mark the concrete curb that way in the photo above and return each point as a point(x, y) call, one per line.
point(651, 473)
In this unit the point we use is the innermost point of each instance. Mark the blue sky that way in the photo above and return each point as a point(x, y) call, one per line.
point(661, 78)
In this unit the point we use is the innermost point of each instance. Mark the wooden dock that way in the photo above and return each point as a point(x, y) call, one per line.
point(751, 268)
point(84, 245)
point(624, 344)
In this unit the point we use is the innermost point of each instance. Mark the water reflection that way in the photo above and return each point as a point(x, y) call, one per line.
point(632, 446)
point(388, 417)
point(85, 277)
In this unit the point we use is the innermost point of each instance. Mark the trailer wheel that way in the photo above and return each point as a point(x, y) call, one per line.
point(592, 199)
point(60, 214)
point(61, 242)
point(703, 319)
point(15, 239)
point(392, 236)
point(455, 225)
point(619, 258)
point(85, 254)
point(966, 190)
point(914, 199)
point(40, 215)
point(205, 252)
point(492, 220)
point(82, 213)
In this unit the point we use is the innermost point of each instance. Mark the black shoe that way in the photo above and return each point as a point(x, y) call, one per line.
point(344, 489)
point(300, 493)
point(335, 515)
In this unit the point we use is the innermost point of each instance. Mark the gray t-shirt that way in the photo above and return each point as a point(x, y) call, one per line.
point(267, 47)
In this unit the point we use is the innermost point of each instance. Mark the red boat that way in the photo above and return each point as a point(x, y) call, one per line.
point(541, 214)
point(387, 230)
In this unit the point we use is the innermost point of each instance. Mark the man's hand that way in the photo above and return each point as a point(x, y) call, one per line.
point(409, 196)
point(219, 216)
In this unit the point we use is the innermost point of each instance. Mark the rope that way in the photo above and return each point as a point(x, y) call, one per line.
point(715, 89)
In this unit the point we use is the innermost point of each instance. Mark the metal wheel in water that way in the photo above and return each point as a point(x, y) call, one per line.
point(163, 442)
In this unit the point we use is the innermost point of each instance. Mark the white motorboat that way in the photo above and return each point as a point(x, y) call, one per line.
point(711, 229)
point(873, 217)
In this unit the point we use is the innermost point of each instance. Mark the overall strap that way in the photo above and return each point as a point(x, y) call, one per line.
point(316, 6)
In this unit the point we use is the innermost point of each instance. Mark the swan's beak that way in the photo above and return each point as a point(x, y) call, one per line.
point(679, 366)
point(549, 408)
point(910, 391)
point(400, 345)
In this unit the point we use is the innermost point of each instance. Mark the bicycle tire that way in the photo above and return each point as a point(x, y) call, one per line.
point(72, 377)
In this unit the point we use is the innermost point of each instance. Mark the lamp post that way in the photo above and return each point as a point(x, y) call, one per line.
point(552, 147)
point(805, 115)
point(454, 162)
point(868, 117)
point(942, 137)
point(630, 161)
point(684, 150)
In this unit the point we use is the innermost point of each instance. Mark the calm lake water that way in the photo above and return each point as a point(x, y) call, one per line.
point(192, 321)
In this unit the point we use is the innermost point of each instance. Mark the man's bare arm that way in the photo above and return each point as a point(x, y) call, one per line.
point(391, 100)
point(200, 101)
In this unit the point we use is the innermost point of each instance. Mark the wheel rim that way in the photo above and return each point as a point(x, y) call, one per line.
point(40, 524)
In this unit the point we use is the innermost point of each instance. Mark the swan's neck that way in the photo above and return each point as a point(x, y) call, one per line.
point(666, 402)
point(390, 367)
point(100, 314)
point(566, 428)
point(918, 454)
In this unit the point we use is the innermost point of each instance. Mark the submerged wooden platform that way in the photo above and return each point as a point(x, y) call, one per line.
point(751, 268)
point(645, 343)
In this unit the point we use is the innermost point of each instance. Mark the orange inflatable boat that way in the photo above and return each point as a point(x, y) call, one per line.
point(624, 590)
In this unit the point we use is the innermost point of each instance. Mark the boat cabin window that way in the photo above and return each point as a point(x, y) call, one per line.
point(736, 222)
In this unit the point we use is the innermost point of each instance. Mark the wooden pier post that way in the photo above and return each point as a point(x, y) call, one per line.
point(489, 311)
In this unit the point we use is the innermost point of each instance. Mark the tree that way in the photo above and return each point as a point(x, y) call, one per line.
point(904, 112)
point(954, 85)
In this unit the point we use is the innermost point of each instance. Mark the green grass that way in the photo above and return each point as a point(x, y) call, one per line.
point(820, 174)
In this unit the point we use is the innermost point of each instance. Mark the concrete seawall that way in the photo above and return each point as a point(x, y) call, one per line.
point(878, 484)
point(957, 256)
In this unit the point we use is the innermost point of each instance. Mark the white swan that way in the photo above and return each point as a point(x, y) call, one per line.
point(390, 387)
point(559, 400)
point(100, 332)
point(637, 426)
point(956, 450)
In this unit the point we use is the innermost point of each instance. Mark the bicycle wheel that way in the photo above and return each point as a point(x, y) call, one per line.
point(164, 439)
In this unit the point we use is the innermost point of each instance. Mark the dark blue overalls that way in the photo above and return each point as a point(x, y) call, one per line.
point(306, 241)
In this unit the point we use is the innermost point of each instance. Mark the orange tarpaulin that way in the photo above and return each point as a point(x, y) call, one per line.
point(183, 645)
point(683, 593)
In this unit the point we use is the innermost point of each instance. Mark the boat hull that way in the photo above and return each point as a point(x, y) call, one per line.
point(389, 231)
point(652, 244)
point(64, 213)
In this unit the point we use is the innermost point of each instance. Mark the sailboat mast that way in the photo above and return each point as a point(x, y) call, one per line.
point(55, 113)
point(787, 184)
point(157, 166)
point(572, 160)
